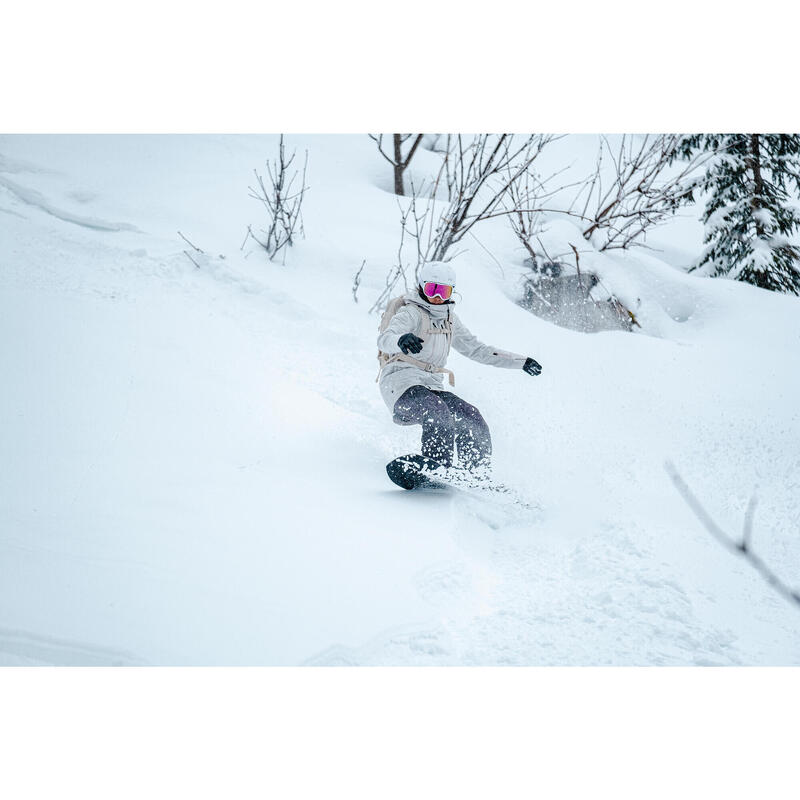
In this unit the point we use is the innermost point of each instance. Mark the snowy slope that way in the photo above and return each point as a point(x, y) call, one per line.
point(192, 460)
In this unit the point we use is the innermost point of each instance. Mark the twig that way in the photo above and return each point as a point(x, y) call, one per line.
point(484, 172)
point(639, 196)
point(193, 246)
point(577, 264)
point(247, 235)
point(357, 280)
point(189, 256)
point(743, 547)
point(544, 250)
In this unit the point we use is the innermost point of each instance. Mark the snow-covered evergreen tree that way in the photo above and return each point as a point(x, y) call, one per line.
point(750, 218)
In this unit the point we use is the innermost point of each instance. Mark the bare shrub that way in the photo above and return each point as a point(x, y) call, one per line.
point(481, 174)
point(476, 174)
point(640, 190)
point(283, 201)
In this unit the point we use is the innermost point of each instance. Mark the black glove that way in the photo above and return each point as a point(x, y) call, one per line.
point(532, 366)
point(409, 343)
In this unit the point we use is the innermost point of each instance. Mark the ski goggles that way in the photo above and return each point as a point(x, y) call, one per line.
point(431, 289)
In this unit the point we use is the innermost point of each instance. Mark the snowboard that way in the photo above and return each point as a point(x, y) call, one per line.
point(496, 504)
point(416, 471)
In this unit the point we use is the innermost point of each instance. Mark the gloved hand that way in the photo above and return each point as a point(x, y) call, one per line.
point(409, 343)
point(532, 366)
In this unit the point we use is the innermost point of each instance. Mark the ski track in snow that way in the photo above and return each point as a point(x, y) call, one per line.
point(24, 648)
point(497, 584)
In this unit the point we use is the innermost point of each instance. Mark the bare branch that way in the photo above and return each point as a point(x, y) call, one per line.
point(742, 547)
point(379, 140)
point(357, 280)
point(413, 150)
point(641, 193)
point(398, 270)
point(577, 264)
point(193, 246)
point(478, 172)
point(523, 217)
point(485, 171)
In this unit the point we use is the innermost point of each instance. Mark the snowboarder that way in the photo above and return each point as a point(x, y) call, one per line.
point(414, 344)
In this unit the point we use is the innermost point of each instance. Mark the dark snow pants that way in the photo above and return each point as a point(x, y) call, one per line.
point(446, 421)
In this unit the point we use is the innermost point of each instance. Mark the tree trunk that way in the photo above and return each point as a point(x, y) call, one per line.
point(399, 166)
point(758, 183)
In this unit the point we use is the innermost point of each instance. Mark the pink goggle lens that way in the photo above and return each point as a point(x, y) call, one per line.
point(442, 289)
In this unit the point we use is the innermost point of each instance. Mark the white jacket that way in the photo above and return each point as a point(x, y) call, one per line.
point(398, 376)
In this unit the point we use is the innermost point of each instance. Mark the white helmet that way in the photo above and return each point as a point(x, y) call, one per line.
point(437, 272)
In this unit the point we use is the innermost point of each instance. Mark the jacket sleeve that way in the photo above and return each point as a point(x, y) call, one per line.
point(404, 321)
point(469, 346)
